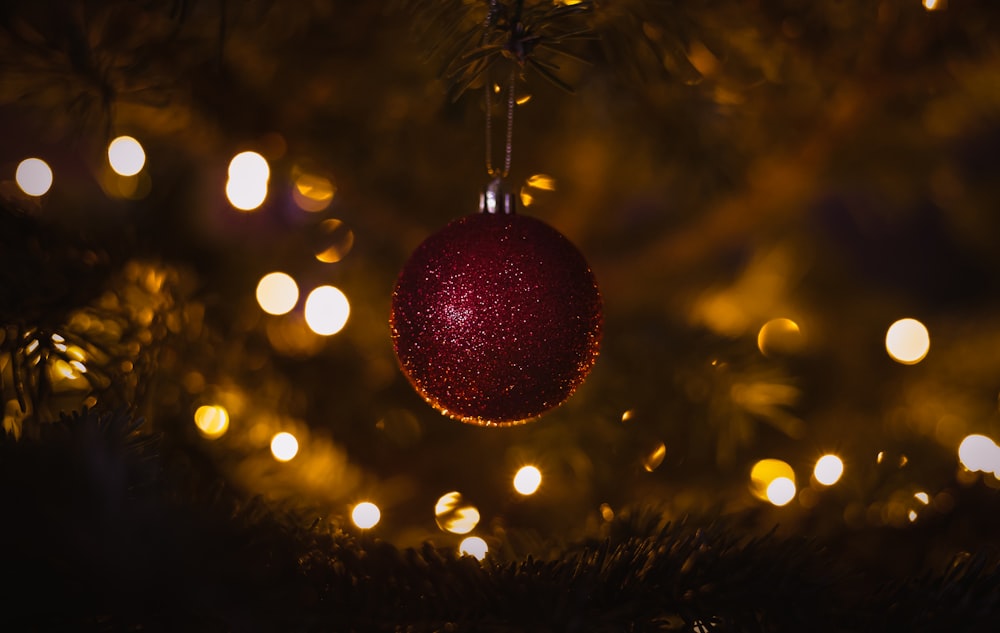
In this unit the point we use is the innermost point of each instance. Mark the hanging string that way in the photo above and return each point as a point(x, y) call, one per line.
point(488, 89)
point(511, 101)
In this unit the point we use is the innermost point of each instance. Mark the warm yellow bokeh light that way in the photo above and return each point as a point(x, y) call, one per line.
point(335, 240)
point(312, 192)
point(979, 453)
point(366, 515)
point(527, 480)
point(765, 472)
point(922, 497)
point(779, 336)
point(33, 176)
point(246, 195)
point(277, 293)
point(828, 470)
point(327, 310)
point(541, 181)
point(907, 341)
point(655, 457)
point(284, 446)
point(781, 491)
point(453, 515)
point(246, 188)
point(934, 5)
point(212, 420)
point(473, 546)
point(126, 156)
point(249, 166)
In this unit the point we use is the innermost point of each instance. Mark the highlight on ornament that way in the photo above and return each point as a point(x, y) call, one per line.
point(284, 446)
point(277, 293)
point(907, 341)
point(212, 420)
point(527, 480)
point(828, 470)
point(246, 188)
point(473, 546)
point(327, 310)
point(366, 515)
point(33, 176)
point(126, 156)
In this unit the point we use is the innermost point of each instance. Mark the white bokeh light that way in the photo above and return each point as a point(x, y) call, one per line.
point(34, 176)
point(327, 310)
point(126, 156)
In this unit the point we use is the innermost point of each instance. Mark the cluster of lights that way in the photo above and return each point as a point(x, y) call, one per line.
point(126, 157)
point(246, 185)
point(773, 480)
point(907, 340)
point(451, 512)
point(326, 308)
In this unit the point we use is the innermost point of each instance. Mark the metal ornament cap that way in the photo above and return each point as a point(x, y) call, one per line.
point(496, 318)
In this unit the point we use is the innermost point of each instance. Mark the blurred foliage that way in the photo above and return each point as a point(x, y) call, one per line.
point(111, 536)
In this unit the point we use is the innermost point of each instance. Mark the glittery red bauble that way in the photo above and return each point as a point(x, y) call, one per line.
point(496, 319)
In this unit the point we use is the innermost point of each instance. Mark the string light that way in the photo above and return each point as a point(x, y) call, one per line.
point(979, 453)
point(126, 156)
point(284, 446)
point(527, 480)
point(655, 457)
point(366, 515)
point(764, 473)
point(212, 420)
point(473, 546)
point(247, 184)
point(453, 515)
point(779, 336)
point(907, 341)
point(828, 470)
point(277, 293)
point(781, 491)
point(335, 241)
point(313, 193)
point(33, 176)
point(327, 310)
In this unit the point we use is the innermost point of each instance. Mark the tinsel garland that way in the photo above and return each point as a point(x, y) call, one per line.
point(105, 531)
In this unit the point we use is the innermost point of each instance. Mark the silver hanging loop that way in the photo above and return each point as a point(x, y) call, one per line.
point(496, 200)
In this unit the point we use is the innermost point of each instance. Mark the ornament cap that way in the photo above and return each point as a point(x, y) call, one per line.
point(496, 200)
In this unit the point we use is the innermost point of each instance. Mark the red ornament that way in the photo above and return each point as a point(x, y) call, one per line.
point(496, 319)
